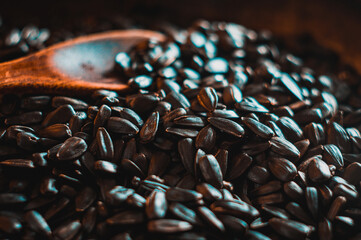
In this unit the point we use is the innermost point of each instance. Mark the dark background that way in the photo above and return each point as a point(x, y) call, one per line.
point(333, 23)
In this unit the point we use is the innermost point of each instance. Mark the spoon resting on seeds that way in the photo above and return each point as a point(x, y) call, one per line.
point(77, 66)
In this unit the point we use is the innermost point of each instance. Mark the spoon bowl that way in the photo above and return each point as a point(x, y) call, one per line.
point(78, 66)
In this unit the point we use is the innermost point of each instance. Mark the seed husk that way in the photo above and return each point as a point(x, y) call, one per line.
point(105, 144)
point(71, 149)
point(290, 228)
point(285, 148)
point(122, 126)
point(150, 128)
point(291, 130)
point(67, 231)
point(168, 226)
point(10, 224)
point(239, 165)
point(184, 213)
point(282, 169)
point(36, 222)
point(18, 163)
point(312, 201)
point(226, 125)
point(325, 229)
point(128, 217)
point(84, 199)
point(209, 192)
point(298, 212)
point(258, 128)
point(352, 173)
point(208, 98)
point(208, 216)
point(293, 190)
point(182, 195)
point(318, 170)
point(156, 205)
point(332, 155)
point(211, 170)
point(60, 115)
point(206, 138)
point(232, 94)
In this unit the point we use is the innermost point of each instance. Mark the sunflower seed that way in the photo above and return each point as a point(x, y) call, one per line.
point(208, 216)
point(206, 138)
point(105, 144)
point(290, 228)
point(211, 170)
point(37, 223)
point(258, 128)
point(226, 125)
point(71, 149)
point(122, 126)
point(156, 205)
point(282, 169)
point(168, 226)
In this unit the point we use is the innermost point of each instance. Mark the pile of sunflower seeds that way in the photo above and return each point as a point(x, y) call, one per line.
point(224, 137)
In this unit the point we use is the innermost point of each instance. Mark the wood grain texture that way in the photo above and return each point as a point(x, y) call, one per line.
point(76, 67)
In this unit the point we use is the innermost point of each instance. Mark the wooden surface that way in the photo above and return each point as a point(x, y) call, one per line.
point(77, 66)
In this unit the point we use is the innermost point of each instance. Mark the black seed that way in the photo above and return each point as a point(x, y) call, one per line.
point(105, 167)
point(9, 224)
point(222, 158)
point(235, 208)
point(18, 163)
point(325, 229)
point(206, 138)
point(312, 201)
point(269, 187)
point(60, 115)
point(208, 98)
point(128, 114)
point(258, 128)
point(290, 228)
point(89, 219)
point(227, 126)
point(232, 94)
point(105, 144)
point(150, 128)
point(25, 118)
point(258, 174)
point(71, 149)
point(211, 219)
point(332, 155)
point(211, 170)
point(122, 126)
point(285, 148)
point(57, 131)
point(77, 104)
point(293, 190)
point(184, 213)
point(158, 163)
point(168, 226)
point(209, 193)
point(298, 212)
point(156, 205)
point(37, 223)
point(282, 169)
point(84, 199)
point(187, 133)
point(290, 129)
point(67, 231)
point(240, 164)
point(182, 195)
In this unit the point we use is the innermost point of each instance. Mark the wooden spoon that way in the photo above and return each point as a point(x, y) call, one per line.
point(76, 66)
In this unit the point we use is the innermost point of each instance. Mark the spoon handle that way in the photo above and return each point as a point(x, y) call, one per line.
point(44, 71)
